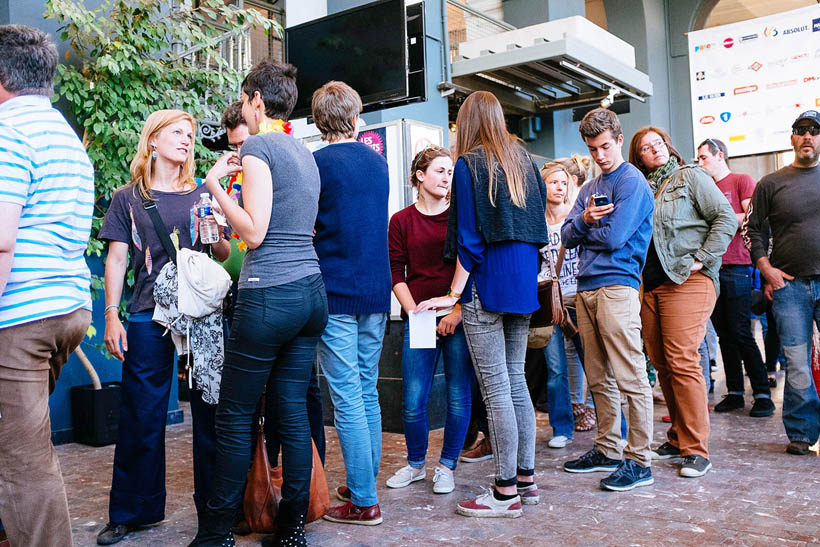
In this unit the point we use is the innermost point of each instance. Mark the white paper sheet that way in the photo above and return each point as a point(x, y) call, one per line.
point(423, 330)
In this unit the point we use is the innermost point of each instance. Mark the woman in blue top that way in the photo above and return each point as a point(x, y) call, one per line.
point(496, 228)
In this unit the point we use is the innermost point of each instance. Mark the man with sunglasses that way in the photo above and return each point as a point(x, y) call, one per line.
point(790, 198)
point(731, 316)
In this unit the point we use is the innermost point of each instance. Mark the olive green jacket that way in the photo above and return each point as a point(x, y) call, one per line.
point(693, 221)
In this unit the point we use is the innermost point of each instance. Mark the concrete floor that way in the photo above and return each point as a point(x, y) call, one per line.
point(755, 495)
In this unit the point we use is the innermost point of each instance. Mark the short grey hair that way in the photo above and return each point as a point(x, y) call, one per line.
point(28, 61)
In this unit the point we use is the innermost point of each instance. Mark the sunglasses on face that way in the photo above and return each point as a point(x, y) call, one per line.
point(813, 130)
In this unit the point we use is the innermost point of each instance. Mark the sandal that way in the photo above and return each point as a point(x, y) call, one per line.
point(587, 421)
point(578, 410)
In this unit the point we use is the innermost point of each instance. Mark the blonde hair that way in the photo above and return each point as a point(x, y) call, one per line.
point(142, 164)
point(552, 167)
point(582, 168)
point(480, 122)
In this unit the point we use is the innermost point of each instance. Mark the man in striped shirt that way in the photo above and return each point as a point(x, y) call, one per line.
point(46, 203)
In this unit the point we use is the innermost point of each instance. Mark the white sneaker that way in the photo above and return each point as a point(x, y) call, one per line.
point(405, 476)
point(486, 505)
point(559, 441)
point(443, 482)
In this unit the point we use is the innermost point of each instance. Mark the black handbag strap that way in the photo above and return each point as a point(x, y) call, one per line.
point(150, 207)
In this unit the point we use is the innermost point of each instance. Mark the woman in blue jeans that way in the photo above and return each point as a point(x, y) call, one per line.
point(559, 403)
point(416, 239)
point(495, 229)
point(281, 307)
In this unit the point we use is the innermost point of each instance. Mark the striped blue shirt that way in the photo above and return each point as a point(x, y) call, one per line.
point(44, 169)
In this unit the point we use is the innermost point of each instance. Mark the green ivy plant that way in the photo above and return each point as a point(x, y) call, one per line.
point(125, 61)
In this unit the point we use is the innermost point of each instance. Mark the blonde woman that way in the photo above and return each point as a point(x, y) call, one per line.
point(162, 175)
point(496, 228)
point(559, 404)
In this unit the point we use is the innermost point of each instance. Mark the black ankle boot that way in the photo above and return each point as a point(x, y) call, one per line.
point(215, 529)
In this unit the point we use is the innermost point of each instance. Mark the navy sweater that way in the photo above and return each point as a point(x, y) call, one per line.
point(613, 250)
point(351, 229)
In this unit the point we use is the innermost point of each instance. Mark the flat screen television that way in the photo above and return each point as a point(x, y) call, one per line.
point(365, 47)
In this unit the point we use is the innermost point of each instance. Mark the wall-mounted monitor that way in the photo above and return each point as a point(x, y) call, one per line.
point(365, 47)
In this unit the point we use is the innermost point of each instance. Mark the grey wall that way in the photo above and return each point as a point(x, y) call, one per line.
point(522, 13)
point(4, 12)
point(642, 23)
point(680, 18)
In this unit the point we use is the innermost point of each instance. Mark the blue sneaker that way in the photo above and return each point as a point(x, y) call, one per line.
point(593, 460)
point(630, 474)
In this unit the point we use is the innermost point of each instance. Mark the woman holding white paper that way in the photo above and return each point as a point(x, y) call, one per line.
point(416, 237)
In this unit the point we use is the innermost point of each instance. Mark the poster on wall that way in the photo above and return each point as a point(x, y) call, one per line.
point(750, 80)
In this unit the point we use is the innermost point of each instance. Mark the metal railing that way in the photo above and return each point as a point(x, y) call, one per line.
point(233, 47)
point(465, 23)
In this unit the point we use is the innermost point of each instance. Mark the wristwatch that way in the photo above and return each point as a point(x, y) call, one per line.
point(451, 292)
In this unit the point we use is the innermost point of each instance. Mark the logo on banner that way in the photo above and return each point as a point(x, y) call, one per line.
point(817, 101)
point(799, 57)
point(748, 38)
point(737, 138)
point(704, 47)
point(711, 96)
point(728, 42)
point(779, 62)
point(745, 89)
point(755, 66)
point(795, 30)
point(706, 120)
point(783, 83)
point(770, 32)
point(700, 75)
point(815, 25)
point(724, 116)
point(808, 79)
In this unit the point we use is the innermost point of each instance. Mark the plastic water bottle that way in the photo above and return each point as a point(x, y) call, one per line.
point(208, 228)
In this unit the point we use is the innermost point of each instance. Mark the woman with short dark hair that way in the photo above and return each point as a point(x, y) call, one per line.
point(281, 307)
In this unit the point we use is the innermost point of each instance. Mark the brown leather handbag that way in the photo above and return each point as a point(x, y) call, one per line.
point(551, 310)
point(264, 489)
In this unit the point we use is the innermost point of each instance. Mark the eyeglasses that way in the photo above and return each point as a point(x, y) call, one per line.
point(652, 146)
point(801, 130)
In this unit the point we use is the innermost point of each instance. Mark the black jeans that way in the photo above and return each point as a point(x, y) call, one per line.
point(273, 337)
point(732, 321)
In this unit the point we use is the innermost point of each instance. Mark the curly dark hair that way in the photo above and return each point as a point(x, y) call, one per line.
point(28, 62)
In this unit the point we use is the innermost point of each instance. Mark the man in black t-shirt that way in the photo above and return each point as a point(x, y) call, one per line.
point(790, 198)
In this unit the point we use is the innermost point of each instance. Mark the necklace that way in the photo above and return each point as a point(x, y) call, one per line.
point(235, 184)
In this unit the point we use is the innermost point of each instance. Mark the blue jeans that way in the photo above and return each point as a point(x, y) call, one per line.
point(795, 306)
point(138, 485)
point(417, 369)
point(273, 337)
point(349, 354)
point(559, 404)
point(732, 321)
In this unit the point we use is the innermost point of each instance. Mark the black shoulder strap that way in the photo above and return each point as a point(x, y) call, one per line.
point(162, 232)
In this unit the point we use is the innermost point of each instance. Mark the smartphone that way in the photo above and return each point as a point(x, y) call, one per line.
point(600, 199)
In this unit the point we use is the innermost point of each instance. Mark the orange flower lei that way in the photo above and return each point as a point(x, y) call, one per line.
point(235, 184)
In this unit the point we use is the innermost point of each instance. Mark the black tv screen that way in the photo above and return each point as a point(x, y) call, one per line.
point(365, 47)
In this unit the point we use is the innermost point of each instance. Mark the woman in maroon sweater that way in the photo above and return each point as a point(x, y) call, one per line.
point(416, 236)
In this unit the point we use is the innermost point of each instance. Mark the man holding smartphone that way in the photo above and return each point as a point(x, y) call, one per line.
point(611, 223)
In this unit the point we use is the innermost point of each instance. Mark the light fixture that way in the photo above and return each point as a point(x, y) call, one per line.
point(607, 101)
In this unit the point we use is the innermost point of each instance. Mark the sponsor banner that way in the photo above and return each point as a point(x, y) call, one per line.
point(749, 80)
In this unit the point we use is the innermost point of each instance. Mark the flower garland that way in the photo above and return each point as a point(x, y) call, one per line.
point(235, 184)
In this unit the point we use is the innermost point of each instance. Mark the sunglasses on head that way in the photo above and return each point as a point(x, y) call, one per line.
point(801, 130)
